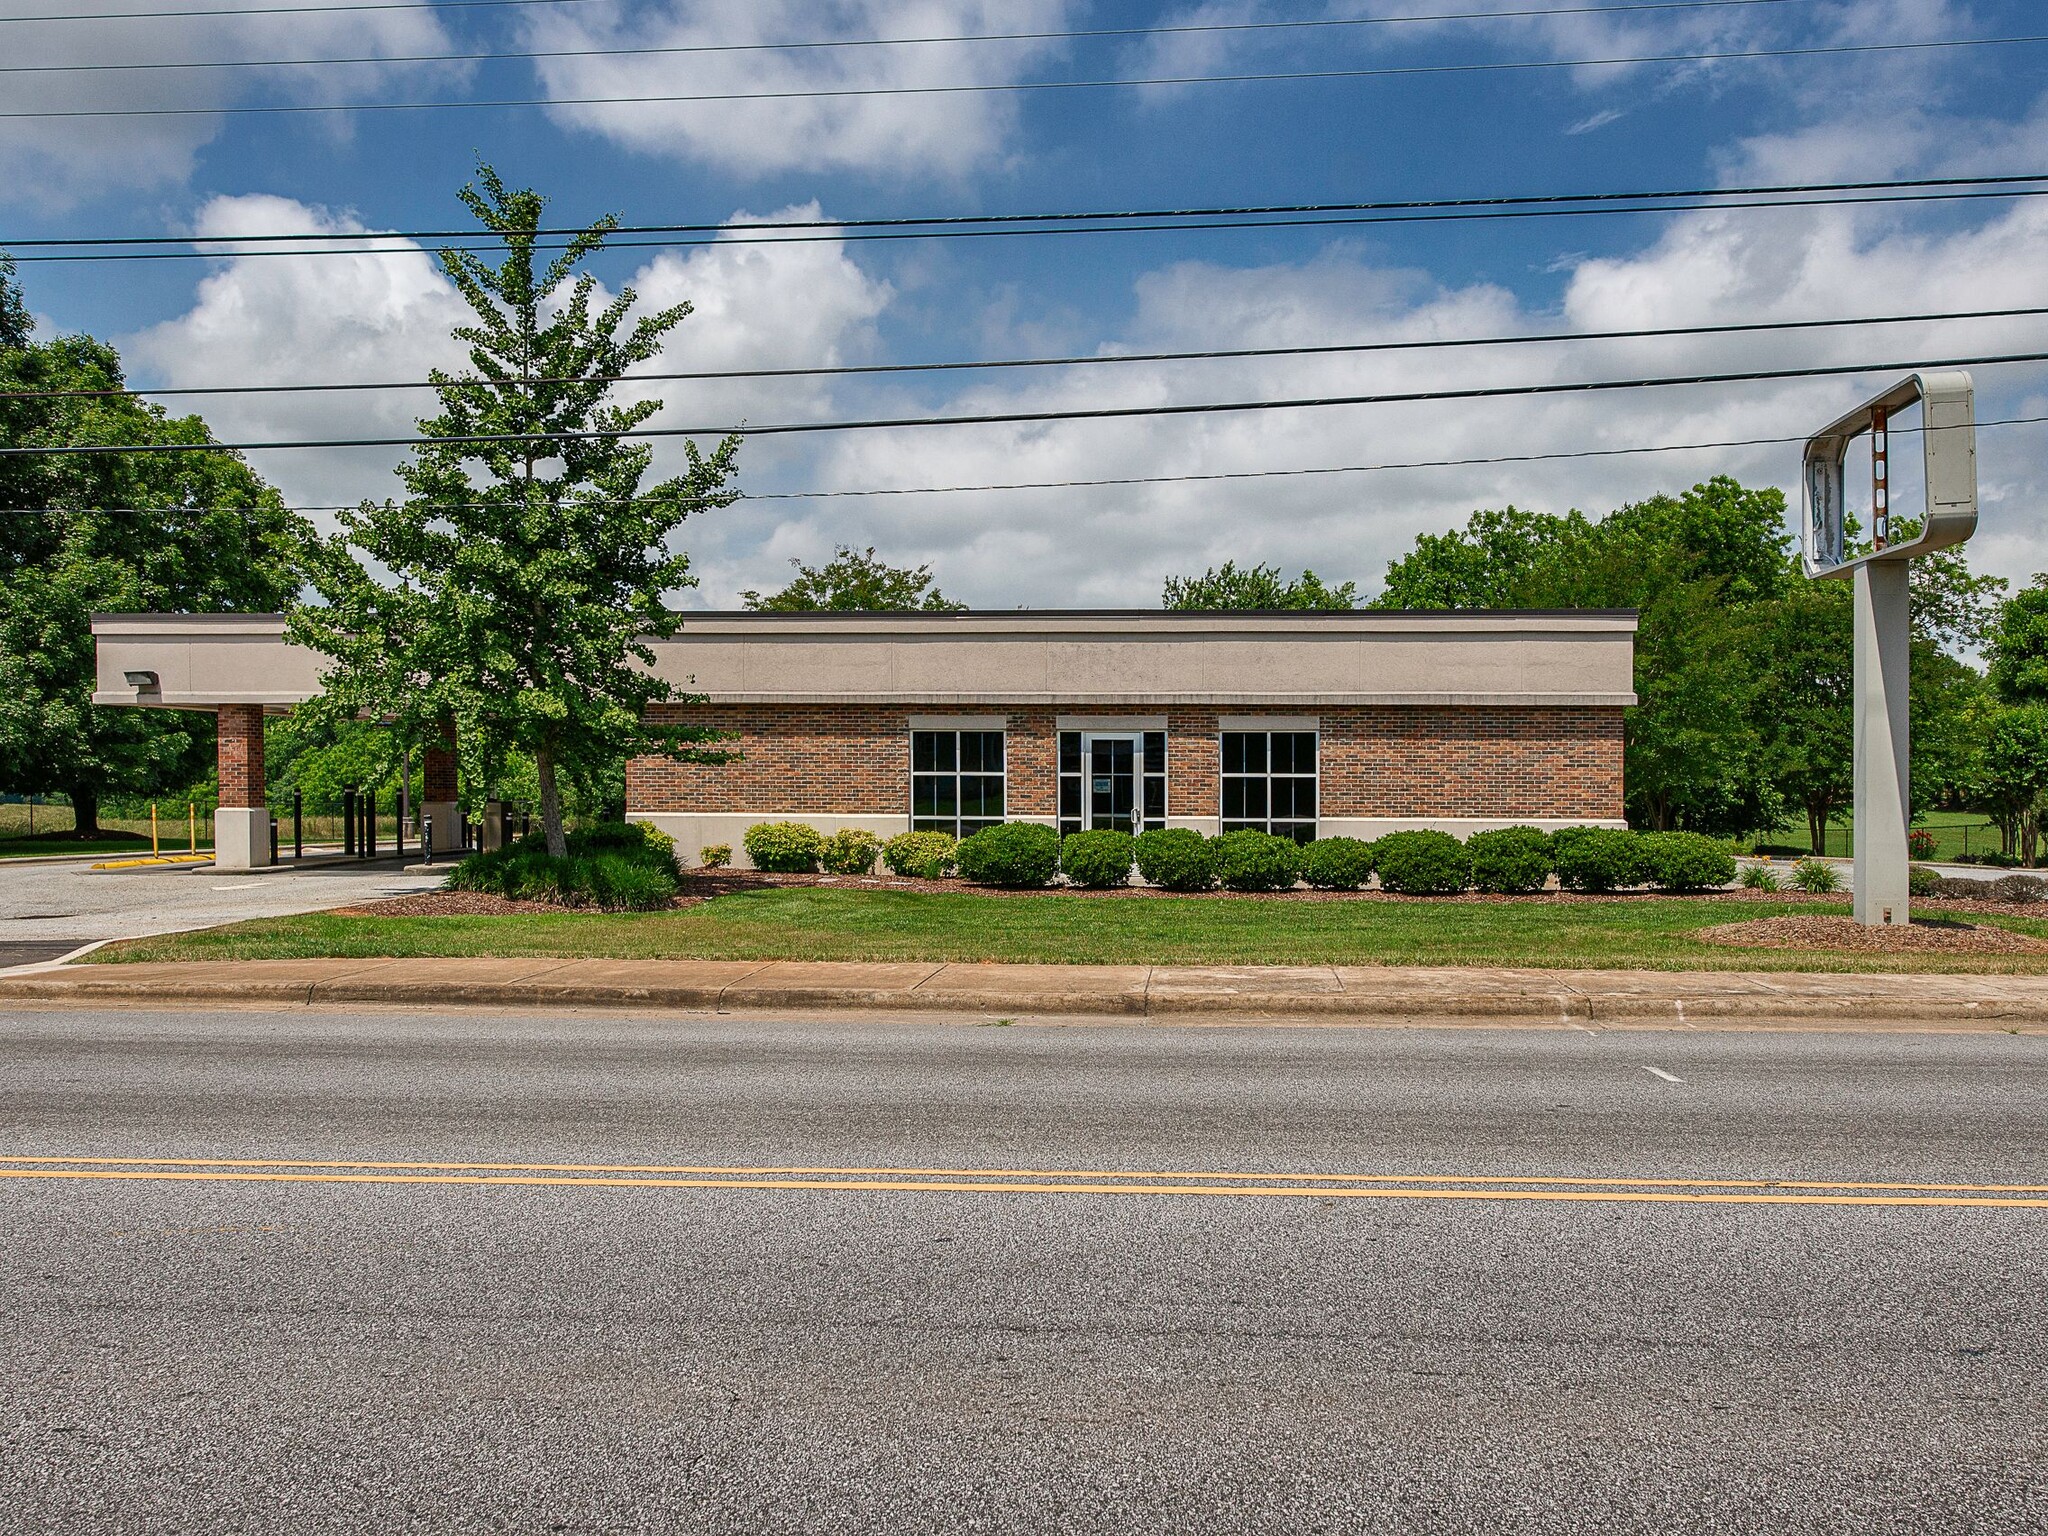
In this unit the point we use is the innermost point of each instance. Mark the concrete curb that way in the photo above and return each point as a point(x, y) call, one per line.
point(1308, 995)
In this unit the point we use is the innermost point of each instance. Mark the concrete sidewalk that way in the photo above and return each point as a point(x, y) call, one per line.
point(1303, 994)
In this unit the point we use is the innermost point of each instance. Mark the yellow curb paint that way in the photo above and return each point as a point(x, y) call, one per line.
point(941, 1186)
point(799, 1171)
point(144, 863)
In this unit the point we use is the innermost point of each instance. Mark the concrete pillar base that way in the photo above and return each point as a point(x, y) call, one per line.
point(494, 824)
point(447, 818)
point(241, 837)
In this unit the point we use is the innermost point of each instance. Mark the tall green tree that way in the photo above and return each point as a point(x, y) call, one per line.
point(84, 534)
point(2017, 646)
point(2013, 788)
point(853, 581)
point(527, 566)
point(1258, 587)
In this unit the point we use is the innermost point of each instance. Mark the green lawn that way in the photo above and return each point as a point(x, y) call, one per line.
point(1955, 833)
point(53, 845)
point(816, 924)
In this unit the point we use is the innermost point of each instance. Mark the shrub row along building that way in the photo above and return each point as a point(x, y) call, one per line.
point(1306, 724)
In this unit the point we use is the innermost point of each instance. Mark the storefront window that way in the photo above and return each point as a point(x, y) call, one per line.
point(1269, 782)
point(956, 781)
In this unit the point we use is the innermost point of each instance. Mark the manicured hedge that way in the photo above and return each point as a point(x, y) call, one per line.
point(1337, 863)
point(1176, 859)
point(1685, 861)
point(920, 855)
point(1597, 858)
point(1017, 853)
point(1256, 861)
point(851, 851)
point(1098, 859)
point(784, 847)
point(1422, 863)
point(1510, 860)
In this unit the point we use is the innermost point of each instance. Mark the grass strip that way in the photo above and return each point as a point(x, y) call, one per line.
point(1644, 932)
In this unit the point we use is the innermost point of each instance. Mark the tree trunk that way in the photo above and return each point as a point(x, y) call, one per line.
point(85, 810)
point(1817, 827)
point(550, 804)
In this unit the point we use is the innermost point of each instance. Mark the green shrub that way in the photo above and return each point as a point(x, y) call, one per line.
point(1922, 881)
point(1815, 875)
point(1097, 859)
point(1337, 863)
point(851, 851)
point(784, 847)
point(715, 855)
point(1256, 861)
point(1597, 858)
point(1176, 859)
point(1510, 860)
point(1422, 863)
point(1761, 877)
point(1017, 853)
point(1921, 843)
point(920, 855)
point(2018, 888)
point(621, 878)
point(1685, 861)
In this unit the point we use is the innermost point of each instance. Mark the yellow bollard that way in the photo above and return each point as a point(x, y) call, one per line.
point(152, 830)
point(191, 826)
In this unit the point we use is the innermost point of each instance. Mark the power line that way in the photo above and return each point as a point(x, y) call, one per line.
point(1021, 418)
point(957, 226)
point(1078, 35)
point(287, 10)
point(1015, 86)
point(1123, 480)
point(1428, 344)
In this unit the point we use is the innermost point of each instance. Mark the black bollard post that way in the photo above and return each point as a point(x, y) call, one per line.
point(369, 823)
point(298, 824)
point(348, 822)
point(427, 837)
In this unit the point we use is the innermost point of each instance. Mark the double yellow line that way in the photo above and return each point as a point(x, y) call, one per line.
point(1036, 1181)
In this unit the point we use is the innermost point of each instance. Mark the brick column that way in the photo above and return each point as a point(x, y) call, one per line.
point(241, 826)
point(439, 798)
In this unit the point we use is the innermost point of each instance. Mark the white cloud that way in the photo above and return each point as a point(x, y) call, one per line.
point(895, 135)
point(57, 162)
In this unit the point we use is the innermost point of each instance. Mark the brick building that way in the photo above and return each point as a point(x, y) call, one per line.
point(1307, 724)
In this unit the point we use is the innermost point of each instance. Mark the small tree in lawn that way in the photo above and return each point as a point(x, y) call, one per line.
point(527, 565)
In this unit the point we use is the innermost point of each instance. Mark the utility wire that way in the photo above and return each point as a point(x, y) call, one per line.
point(1016, 86)
point(956, 226)
point(286, 10)
point(1064, 485)
point(1082, 35)
point(1014, 418)
point(1429, 344)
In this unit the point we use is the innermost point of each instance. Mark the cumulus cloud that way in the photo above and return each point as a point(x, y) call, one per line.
point(896, 135)
point(1114, 545)
point(57, 162)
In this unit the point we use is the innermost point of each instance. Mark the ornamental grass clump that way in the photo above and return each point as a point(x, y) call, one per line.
point(920, 855)
point(1256, 861)
point(1596, 859)
point(1175, 859)
point(1337, 863)
point(1097, 860)
point(1816, 876)
point(1686, 861)
point(617, 867)
point(1016, 854)
point(784, 847)
point(851, 851)
point(1761, 877)
point(1510, 861)
point(1422, 863)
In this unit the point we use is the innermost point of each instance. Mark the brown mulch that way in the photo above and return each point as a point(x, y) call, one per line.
point(1922, 936)
point(464, 904)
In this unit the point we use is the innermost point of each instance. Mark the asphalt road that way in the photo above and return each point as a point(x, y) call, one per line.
point(288, 1352)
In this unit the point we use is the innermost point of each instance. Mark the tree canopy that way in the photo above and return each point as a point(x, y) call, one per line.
point(176, 533)
point(528, 564)
point(1257, 587)
point(2017, 646)
point(855, 581)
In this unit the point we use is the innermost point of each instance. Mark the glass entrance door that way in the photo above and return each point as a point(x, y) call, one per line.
point(1113, 783)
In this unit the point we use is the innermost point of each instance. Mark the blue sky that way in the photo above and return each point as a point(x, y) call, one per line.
point(1906, 112)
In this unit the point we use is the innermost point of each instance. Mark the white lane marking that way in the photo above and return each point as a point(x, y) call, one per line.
point(1660, 1072)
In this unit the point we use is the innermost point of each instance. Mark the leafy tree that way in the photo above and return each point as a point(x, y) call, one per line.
point(2013, 789)
point(2017, 646)
point(527, 564)
point(855, 582)
point(1258, 587)
point(85, 534)
point(1482, 565)
point(1806, 702)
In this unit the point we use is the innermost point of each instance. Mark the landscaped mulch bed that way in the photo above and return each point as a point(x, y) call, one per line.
point(1920, 937)
point(464, 904)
